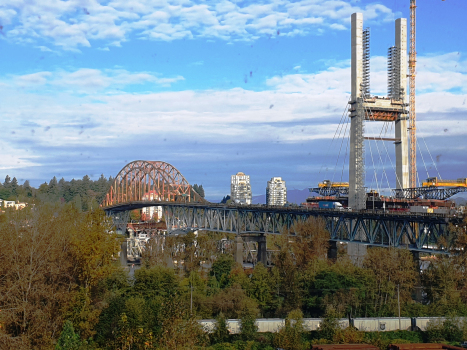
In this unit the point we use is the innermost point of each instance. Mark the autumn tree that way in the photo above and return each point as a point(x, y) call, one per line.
point(311, 240)
point(49, 255)
point(392, 270)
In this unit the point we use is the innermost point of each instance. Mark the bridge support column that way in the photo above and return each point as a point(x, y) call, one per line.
point(356, 253)
point(123, 254)
point(262, 251)
point(238, 253)
point(418, 281)
point(332, 250)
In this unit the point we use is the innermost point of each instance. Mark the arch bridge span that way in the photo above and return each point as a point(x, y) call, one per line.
point(143, 180)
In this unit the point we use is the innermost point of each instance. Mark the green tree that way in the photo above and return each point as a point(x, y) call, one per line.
point(28, 190)
point(290, 336)
point(155, 281)
point(220, 333)
point(68, 340)
point(262, 289)
point(221, 269)
point(14, 187)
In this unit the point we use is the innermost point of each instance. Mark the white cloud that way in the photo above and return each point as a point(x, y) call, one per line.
point(296, 109)
point(72, 24)
point(87, 80)
point(15, 158)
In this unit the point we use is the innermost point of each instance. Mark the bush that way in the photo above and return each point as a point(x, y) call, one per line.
point(290, 336)
point(221, 332)
point(328, 327)
point(450, 330)
point(350, 335)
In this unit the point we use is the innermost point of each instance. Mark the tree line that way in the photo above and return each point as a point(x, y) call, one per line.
point(84, 193)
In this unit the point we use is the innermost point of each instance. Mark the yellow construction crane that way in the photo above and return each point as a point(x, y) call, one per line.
point(412, 128)
point(435, 182)
point(330, 184)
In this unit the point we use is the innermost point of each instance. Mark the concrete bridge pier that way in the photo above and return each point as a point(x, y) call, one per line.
point(262, 251)
point(332, 250)
point(238, 249)
point(123, 254)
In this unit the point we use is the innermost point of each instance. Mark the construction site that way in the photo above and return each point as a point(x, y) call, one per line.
point(395, 111)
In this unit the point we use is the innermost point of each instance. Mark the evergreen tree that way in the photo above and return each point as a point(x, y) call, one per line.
point(27, 189)
point(225, 199)
point(7, 181)
point(14, 187)
point(68, 339)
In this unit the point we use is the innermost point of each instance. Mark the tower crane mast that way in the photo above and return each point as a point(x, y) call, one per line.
point(412, 118)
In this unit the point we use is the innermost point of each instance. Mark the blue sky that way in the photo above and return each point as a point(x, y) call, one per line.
point(216, 87)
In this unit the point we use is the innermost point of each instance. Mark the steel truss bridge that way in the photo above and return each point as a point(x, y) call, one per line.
point(331, 191)
point(143, 184)
point(414, 232)
point(440, 193)
point(428, 192)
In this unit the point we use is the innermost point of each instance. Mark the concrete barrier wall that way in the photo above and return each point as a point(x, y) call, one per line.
point(423, 321)
point(271, 325)
point(370, 324)
point(381, 324)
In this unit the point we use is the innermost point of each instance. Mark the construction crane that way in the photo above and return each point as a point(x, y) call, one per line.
point(412, 119)
point(329, 183)
point(329, 188)
point(435, 182)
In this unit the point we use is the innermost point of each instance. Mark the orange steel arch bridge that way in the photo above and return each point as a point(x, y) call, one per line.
point(155, 183)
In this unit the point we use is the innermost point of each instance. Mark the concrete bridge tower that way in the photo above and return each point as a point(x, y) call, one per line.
point(364, 107)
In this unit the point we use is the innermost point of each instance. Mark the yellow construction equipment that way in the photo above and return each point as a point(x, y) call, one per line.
point(330, 184)
point(434, 182)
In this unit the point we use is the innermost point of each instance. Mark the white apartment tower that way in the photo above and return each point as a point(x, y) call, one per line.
point(240, 189)
point(276, 192)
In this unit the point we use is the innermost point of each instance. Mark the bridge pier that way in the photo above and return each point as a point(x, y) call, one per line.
point(262, 251)
point(123, 254)
point(332, 250)
point(238, 252)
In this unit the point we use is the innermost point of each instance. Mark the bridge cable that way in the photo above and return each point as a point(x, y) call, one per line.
point(340, 149)
point(379, 153)
point(377, 147)
point(338, 127)
point(439, 175)
point(346, 150)
point(424, 164)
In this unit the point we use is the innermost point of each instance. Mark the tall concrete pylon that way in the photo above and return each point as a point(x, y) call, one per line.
point(357, 159)
point(402, 148)
point(373, 108)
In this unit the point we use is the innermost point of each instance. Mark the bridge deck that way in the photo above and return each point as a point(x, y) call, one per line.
point(415, 231)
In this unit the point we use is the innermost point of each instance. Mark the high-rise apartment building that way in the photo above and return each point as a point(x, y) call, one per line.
point(240, 189)
point(276, 192)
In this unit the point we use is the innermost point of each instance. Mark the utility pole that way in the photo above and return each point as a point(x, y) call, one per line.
point(399, 306)
point(191, 293)
point(412, 127)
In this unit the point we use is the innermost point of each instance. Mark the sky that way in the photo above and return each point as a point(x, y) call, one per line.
point(218, 87)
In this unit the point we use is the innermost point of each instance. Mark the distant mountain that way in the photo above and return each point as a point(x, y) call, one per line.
point(293, 196)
